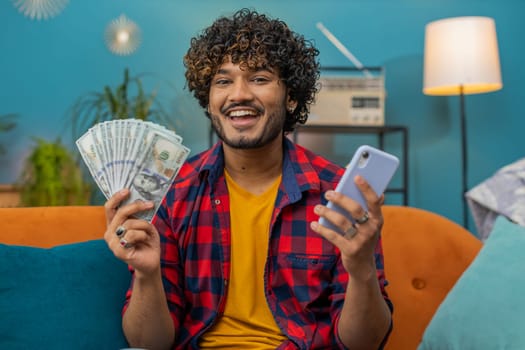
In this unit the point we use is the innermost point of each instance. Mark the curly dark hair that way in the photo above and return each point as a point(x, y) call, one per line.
point(253, 41)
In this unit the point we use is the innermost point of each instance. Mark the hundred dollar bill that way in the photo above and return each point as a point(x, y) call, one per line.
point(141, 156)
point(88, 151)
point(155, 174)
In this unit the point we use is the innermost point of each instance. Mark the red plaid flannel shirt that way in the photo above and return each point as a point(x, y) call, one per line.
point(305, 281)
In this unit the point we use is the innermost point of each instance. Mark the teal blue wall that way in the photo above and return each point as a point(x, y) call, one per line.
point(45, 65)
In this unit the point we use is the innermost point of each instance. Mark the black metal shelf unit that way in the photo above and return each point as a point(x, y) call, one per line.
point(380, 131)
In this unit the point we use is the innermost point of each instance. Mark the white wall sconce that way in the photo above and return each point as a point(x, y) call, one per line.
point(122, 36)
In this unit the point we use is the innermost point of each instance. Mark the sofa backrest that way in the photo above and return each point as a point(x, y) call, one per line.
point(50, 226)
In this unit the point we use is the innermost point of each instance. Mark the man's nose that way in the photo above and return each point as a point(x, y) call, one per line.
point(240, 91)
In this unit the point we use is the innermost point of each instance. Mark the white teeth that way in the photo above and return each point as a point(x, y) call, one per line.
point(241, 113)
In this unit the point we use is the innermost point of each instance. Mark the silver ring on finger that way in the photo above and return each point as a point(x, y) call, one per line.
point(125, 244)
point(120, 231)
point(362, 219)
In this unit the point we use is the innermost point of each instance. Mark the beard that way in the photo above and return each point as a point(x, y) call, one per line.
point(272, 130)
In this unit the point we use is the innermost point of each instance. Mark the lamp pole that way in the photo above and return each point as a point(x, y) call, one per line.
point(461, 52)
point(464, 160)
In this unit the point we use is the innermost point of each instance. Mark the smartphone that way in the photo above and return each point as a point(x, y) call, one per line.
point(375, 166)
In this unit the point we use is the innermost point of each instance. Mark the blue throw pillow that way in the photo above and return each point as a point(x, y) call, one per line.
point(66, 297)
point(484, 310)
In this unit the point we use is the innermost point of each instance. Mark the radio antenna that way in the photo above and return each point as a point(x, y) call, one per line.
point(342, 48)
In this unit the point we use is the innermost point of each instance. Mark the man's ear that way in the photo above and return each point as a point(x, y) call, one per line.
point(291, 105)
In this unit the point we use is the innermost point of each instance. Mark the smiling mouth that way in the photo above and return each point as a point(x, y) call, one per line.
point(242, 113)
point(243, 119)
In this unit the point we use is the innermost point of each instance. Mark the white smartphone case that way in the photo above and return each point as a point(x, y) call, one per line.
point(375, 166)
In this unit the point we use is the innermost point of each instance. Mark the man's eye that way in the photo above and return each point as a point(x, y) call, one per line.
point(260, 80)
point(221, 81)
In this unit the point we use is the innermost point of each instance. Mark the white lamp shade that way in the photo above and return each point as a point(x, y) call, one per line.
point(461, 53)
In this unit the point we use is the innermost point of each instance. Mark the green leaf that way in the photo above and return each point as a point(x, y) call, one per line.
point(52, 176)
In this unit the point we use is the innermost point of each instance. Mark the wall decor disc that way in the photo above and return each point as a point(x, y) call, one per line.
point(122, 36)
point(40, 9)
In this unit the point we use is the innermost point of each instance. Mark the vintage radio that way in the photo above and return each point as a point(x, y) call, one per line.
point(355, 98)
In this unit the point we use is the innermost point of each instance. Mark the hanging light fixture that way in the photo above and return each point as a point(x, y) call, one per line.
point(122, 36)
point(40, 9)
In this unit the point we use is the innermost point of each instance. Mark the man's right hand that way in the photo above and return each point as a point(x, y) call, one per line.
point(134, 241)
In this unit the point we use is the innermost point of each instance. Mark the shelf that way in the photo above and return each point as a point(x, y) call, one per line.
point(380, 131)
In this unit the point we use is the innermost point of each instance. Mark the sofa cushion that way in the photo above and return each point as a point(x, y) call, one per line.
point(484, 310)
point(66, 297)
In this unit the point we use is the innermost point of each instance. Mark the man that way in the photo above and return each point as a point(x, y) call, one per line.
point(235, 258)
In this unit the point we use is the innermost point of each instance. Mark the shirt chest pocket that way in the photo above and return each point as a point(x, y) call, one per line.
point(303, 261)
point(306, 276)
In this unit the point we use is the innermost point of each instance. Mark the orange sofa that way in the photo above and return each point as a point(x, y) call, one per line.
point(424, 253)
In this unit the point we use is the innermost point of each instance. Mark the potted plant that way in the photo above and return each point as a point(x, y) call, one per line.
point(52, 176)
point(127, 100)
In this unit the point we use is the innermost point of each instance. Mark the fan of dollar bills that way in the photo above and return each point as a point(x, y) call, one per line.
point(130, 153)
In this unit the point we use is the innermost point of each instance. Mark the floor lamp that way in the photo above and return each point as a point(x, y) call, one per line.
point(461, 58)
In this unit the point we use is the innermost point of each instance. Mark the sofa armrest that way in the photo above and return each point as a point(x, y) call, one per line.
point(424, 254)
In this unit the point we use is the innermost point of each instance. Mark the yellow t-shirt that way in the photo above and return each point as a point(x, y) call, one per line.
point(247, 322)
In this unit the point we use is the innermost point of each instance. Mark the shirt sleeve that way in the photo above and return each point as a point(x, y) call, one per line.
point(340, 284)
point(172, 272)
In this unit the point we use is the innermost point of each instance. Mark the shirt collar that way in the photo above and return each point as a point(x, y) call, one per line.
point(298, 173)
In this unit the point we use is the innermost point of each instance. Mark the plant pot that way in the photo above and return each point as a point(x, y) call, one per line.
point(9, 196)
